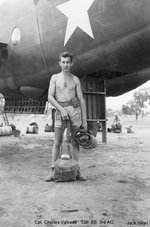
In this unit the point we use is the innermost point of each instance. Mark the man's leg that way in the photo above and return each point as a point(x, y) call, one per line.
point(76, 153)
point(57, 143)
point(56, 150)
point(75, 146)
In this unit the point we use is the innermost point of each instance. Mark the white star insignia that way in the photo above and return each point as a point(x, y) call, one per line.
point(77, 13)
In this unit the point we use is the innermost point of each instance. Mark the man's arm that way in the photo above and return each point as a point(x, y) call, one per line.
point(82, 102)
point(51, 97)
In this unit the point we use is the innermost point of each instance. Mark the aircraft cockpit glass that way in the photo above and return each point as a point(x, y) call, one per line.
point(16, 36)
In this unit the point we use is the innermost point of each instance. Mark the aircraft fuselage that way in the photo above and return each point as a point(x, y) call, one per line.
point(109, 38)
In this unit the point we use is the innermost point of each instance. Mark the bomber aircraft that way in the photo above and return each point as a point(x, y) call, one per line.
point(110, 40)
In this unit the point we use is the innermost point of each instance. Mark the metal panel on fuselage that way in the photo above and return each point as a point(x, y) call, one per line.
point(120, 29)
point(25, 65)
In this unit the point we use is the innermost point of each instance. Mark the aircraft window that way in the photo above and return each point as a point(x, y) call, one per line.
point(16, 36)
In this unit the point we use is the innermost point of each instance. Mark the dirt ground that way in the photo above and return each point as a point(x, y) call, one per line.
point(116, 193)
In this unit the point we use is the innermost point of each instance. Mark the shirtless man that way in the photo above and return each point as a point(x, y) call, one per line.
point(66, 96)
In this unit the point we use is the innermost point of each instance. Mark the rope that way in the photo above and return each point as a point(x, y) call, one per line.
point(84, 138)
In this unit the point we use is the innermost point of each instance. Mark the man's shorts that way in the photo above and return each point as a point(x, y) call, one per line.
point(74, 116)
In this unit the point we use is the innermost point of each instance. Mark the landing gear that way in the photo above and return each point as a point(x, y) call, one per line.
point(92, 126)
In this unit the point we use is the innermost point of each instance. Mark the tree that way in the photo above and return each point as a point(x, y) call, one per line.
point(128, 108)
point(140, 98)
point(135, 106)
point(109, 112)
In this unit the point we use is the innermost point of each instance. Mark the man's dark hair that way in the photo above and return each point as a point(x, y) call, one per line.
point(65, 55)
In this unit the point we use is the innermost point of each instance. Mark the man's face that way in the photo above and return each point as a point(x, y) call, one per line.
point(65, 64)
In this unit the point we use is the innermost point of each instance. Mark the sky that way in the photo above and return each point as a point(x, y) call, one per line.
point(2, 1)
point(116, 103)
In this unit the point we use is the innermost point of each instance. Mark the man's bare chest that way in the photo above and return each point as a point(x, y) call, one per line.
point(63, 83)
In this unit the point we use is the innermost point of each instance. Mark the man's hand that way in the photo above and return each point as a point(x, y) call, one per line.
point(64, 114)
point(84, 124)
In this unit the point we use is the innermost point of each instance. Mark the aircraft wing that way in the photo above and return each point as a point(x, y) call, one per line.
point(120, 85)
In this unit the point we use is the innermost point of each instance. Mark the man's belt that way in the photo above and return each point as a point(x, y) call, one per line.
point(66, 103)
point(72, 102)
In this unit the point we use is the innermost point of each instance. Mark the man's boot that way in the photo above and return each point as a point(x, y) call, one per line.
point(50, 177)
point(80, 176)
